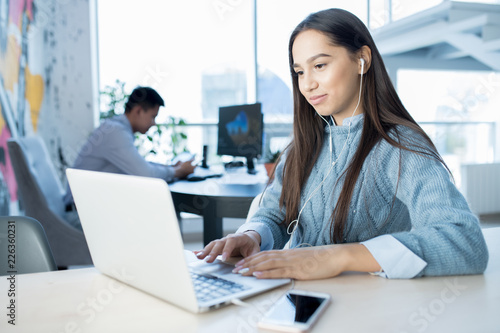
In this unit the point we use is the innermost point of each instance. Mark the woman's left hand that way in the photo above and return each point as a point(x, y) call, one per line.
point(301, 263)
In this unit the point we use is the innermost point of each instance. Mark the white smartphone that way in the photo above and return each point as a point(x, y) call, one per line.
point(183, 157)
point(296, 311)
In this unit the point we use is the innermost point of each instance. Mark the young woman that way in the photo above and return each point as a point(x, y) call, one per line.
point(361, 187)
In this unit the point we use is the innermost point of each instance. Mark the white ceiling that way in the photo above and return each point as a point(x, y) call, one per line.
point(467, 33)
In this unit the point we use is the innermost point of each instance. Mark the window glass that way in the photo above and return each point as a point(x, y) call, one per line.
point(457, 96)
point(458, 109)
point(404, 8)
point(379, 13)
point(275, 22)
point(198, 54)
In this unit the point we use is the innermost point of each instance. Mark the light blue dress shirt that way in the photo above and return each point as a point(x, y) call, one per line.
point(110, 148)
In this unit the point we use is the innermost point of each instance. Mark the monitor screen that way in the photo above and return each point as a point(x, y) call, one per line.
point(240, 130)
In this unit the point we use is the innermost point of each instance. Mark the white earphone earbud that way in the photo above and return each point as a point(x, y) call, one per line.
point(362, 61)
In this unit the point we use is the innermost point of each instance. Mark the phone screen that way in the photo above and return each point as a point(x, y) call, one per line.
point(295, 308)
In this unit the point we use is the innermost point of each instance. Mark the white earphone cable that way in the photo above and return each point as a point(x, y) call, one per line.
point(295, 223)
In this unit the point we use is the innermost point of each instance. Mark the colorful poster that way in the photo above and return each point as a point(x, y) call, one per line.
point(21, 91)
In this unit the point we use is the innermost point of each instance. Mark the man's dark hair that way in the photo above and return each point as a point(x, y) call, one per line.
point(146, 97)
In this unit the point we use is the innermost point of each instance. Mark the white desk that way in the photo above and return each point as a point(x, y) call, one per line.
point(83, 300)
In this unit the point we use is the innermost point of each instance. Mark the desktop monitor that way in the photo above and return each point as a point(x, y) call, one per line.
point(240, 132)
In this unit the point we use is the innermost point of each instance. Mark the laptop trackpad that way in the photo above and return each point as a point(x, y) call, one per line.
point(217, 267)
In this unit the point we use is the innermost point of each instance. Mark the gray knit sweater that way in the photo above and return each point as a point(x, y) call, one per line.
point(430, 217)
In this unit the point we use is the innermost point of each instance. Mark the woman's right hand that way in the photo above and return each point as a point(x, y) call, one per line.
point(241, 244)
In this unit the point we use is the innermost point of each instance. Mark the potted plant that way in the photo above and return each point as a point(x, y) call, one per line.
point(163, 141)
point(113, 99)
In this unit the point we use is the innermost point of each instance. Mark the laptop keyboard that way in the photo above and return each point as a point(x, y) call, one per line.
point(208, 287)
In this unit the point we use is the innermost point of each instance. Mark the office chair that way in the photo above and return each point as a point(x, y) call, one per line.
point(254, 206)
point(24, 247)
point(42, 195)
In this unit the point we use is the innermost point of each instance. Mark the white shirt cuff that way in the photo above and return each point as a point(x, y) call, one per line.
point(396, 260)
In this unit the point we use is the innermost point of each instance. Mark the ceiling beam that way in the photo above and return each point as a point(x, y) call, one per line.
point(450, 31)
point(445, 51)
point(427, 35)
point(417, 62)
point(491, 32)
point(473, 45)
point(492, 45)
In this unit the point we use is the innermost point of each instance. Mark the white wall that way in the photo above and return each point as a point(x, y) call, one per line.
point(69, 112)
point(48, 77)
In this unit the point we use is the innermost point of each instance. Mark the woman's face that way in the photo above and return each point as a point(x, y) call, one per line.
point(327, 75)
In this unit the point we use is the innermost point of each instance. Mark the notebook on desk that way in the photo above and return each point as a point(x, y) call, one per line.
point(133, 236)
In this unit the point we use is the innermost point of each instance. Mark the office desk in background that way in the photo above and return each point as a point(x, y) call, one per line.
point(216, 198)
point(83, 300)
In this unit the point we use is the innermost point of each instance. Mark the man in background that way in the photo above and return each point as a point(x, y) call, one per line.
point(110, 147)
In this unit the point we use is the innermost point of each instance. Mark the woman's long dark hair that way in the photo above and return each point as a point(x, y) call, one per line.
point(382, 107)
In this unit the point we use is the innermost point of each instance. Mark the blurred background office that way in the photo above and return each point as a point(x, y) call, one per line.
point(67, 64)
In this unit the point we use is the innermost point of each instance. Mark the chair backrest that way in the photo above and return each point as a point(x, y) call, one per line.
point(24, 247)
point(32, 161)
point(42, 196)
point(4, 197)
point(254, 206)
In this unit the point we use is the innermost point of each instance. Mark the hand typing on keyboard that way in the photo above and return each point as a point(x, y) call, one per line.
point(241, 244)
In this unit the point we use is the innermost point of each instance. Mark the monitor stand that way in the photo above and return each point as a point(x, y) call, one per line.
point(250, 165)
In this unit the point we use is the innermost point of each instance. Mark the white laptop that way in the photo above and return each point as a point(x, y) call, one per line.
point(133, 235)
